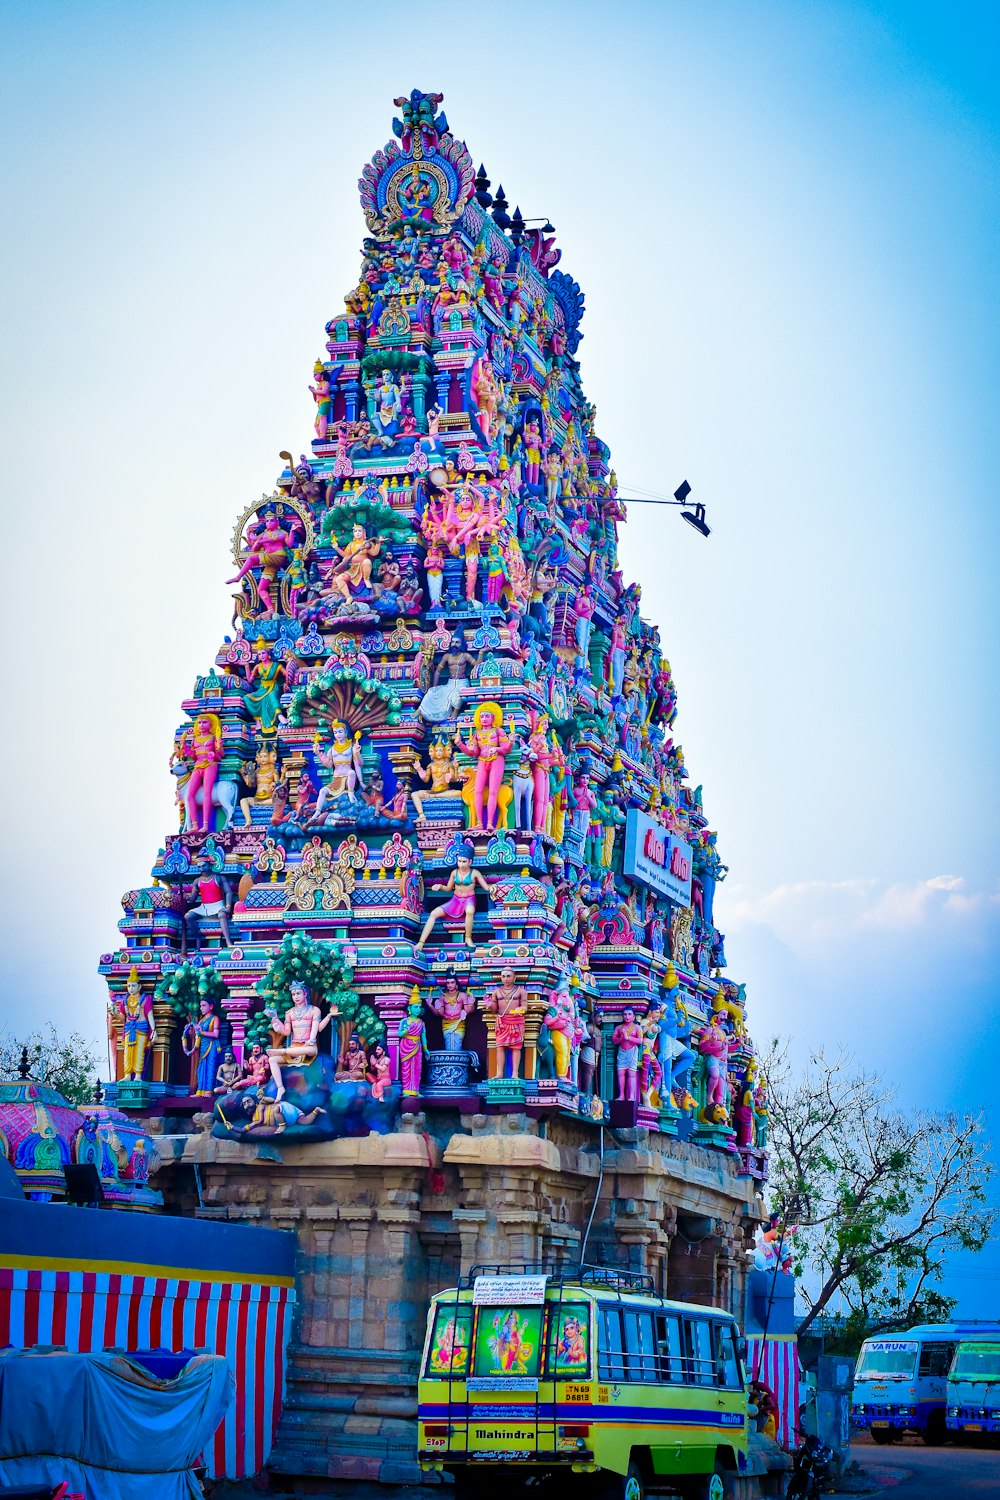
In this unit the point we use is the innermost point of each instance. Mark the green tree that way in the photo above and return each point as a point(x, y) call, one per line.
point(70, 1064)
point(882, 1196)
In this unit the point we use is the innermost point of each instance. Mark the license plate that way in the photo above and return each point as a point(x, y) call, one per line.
point(880, 1424)
point(973, 1426)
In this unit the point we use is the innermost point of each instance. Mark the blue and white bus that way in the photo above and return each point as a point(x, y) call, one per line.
point(974, 1387)
point(901, 1380)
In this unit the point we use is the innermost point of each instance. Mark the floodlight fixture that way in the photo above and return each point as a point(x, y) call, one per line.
point(694, 517)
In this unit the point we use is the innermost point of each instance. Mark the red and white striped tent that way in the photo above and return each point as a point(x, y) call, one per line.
point(186, 1285)
point(775, 1362)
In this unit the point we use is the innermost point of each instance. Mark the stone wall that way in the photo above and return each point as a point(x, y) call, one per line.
point(384, 1221)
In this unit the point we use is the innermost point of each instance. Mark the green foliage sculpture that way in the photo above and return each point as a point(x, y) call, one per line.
point(186, 986)
point(378, 519)
point(305, 960)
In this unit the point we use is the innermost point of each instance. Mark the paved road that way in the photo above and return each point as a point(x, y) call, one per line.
point(933, 1473)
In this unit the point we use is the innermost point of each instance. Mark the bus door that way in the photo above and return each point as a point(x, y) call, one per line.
point(503, 1410)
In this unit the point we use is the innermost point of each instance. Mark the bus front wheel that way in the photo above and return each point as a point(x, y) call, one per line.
point(719, 1485)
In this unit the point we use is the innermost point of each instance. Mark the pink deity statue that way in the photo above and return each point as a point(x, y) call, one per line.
point(412, 1046)
point(379, 1071)
point(301, 1025)
point(489, 746)
point(715, 1044)
point(256, 1069)
point(462, 883)
point(564, 1027)
point(202, 744)
point(584, 605)
point(269, 544)
point(542, 759)
point(627, 1037)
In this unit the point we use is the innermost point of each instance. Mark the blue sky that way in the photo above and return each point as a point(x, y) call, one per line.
point(784, 218)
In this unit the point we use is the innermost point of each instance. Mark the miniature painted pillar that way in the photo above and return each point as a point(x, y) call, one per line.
point(166, 1021)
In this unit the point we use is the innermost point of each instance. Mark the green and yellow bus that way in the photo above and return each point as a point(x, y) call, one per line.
point(542, 1373)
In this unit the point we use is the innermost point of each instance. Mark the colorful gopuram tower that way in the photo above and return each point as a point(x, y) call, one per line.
point(441, 887)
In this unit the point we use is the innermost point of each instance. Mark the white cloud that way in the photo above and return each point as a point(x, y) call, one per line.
point(810, 915)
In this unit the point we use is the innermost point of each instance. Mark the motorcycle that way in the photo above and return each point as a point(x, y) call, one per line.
point(812, 1470)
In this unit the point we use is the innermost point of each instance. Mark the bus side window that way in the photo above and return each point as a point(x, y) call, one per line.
point(669, 1348)
point(639, 1343)
point(700, 1359)
point(727, 1365)
point(935, 1359)
point(611, 1349)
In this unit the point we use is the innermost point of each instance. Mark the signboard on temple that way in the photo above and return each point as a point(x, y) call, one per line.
point(657, 857)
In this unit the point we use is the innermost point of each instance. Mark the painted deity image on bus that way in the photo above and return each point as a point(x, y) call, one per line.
point(449, 1353)
point(507, 1341)
point(570, 1352)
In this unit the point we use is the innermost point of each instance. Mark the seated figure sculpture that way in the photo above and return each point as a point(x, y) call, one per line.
point(301, 1025)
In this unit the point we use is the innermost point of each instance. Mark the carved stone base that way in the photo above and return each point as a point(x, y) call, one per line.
point(446, 1074)
point(503, 1090)
point(132, 1093)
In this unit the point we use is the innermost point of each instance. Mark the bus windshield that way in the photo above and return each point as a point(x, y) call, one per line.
point(976, 1362)
point(508, 1341)
point(887, 1359)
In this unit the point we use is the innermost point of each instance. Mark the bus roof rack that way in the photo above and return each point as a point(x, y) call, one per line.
point(575, 1273)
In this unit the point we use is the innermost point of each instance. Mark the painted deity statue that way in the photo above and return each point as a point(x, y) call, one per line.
point(262, 697)
point(388, 401)
point(454, 1005)
point(202, 745)
point(488, 745)
point(590, 1052)
point(256, 1069)
point(266, 779)
point(461, 884)
point(343, 760)
point(563, 1023)
point(201, 1042)
point(320, 393)
point(353, 574)
point(270, 544)
point(138, 1027)
point(412, 1046)
point(353, 1065)
point(379, 1073)
point(441, 772)
point(300, 1025)
point(627, 1037)
point(509, 1003)
point(541, 760)
point(210, 902)
point(714, 1045)
point(443, 700)
point(584, 605)
point(227, 1073)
